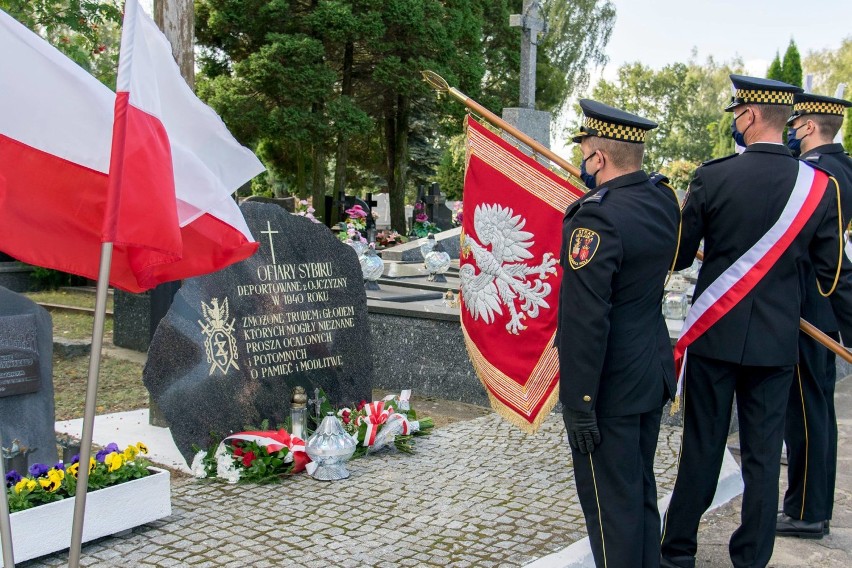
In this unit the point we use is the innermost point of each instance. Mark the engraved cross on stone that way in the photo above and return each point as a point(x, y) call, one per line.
point(316, 402)
point(269, 232)
point(532, 25)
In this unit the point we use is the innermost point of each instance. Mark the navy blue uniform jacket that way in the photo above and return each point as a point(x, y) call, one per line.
point(731, 203)
point(615, 355)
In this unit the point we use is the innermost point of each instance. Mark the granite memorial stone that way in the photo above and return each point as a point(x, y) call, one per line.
point(236, 342)
point(26, 376)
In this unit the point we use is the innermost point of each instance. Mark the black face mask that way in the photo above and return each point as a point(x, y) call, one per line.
point(588, 179)
point(739, 137)
point(793, 143)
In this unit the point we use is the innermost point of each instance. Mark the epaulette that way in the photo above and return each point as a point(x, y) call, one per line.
point(596, 198)
point(815, 165)
point(814, 158)
point(717, 160)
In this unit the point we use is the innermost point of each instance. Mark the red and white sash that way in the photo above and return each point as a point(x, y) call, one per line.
point(741, 277)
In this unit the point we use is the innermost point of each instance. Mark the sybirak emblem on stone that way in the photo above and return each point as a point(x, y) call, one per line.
point(499, 274)
point(220, 344)
point(584, 244)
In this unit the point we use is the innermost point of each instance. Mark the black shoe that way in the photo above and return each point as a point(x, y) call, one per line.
point(788, 526)
point(685, 562)
point(826, 528)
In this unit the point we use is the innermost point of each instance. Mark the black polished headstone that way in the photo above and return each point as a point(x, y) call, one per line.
point(437, 210)
point(236, 342)
point(26, 376)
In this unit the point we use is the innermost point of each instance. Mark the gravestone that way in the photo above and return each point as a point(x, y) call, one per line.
point(383, 211)
point(437, 210)
point(236, 342)
point(26, 377)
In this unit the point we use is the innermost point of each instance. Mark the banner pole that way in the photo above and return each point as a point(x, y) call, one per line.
point(5, 520)
point(89, 413)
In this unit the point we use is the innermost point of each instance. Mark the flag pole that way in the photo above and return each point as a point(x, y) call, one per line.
point(89, 413)
point(440, 84)
point(5, 520)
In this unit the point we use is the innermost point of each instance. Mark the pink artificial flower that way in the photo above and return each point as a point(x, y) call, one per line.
point(356, 212)
point(421, 218)
point(418, 206)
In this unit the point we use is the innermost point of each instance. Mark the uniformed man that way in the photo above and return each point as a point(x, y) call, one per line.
point(810, 430)
point(615, 359)
point(759, 213)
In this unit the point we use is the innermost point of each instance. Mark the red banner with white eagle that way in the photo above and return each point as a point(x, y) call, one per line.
point(510, 275)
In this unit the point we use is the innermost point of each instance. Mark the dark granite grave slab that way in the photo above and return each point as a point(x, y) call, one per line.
point(421, 347)
point(15, 275)
point(26, 376)
point(236, 342)
point(410, 251)
point(390, 293)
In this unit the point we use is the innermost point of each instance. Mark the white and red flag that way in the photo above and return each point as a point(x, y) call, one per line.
point(150, 169)
point(510, 275)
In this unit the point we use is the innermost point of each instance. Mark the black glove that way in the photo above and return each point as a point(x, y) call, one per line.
point(582, 429)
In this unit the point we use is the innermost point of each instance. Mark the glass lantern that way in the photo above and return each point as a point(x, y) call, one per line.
point(437, 262)
point(372, 267)
point(299, 413)
point(359, 246)
point(675, 305)
point(427, 245)
point(330, 447)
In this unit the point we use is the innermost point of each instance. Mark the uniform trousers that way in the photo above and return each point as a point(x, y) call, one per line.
point(708, 392)
point(618, 491)
point(811, 434)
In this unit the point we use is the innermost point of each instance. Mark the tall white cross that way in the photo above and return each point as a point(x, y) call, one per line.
point(269, 232)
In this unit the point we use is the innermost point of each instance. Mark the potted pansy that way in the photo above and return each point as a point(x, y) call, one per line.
point(41, 500)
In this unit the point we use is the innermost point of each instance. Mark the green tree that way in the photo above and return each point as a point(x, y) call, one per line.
point(685, 99)
point(450, 173)
point(776, 68)
point(792, 65)
point(829, 68)
point(87, 31)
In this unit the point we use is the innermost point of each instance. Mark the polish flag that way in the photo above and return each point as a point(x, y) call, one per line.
point(150, 169)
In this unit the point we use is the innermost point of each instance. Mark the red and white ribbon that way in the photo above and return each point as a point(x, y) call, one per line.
point(742, 276)
point(273, 441)
point(376, 415)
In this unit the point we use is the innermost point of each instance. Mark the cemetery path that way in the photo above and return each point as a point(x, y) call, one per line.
point(477, 493)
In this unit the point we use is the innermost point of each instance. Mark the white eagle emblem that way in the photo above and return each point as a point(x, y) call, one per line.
point(503, 276)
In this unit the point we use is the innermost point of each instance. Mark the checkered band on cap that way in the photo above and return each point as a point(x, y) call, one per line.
point(818, 107)
point(615, 131)
point(763, 96)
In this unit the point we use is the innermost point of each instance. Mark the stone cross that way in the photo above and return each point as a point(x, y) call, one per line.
point(532, 25)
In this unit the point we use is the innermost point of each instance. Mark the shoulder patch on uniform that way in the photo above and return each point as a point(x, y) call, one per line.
point(584, 245)
point(814, 158)
point(596, 198)
point(717, 160)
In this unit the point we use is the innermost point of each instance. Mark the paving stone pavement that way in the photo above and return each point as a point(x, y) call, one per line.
point(477, 493)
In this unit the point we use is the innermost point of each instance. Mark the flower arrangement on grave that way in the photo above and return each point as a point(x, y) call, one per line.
point(388, 238)
point(253, 456)
point(356, 224)
point(422, 226)
point(458, 215)
point(266, 456)
point(45, 484)
point(382, 423)
point(305, 209)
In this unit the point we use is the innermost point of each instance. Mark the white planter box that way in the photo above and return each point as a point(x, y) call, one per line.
point(47, 528)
